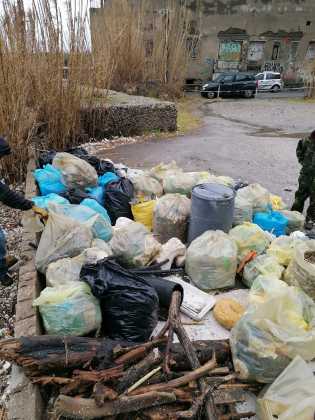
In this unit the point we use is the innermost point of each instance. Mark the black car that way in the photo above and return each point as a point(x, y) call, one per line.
point(230, 84)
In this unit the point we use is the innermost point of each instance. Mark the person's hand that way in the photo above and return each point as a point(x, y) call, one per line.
point(42, 213)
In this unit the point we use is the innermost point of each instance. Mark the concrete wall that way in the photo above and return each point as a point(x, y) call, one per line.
point(288, 23)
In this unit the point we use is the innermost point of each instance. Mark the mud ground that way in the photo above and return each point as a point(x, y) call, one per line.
point(253, 140)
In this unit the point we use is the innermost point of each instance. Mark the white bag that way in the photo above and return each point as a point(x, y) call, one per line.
point(163, 170)
point(296, 220)
point(243, 211)
point(183, 182)
point(171, 250)
point(257, 195)
point(133, 245)
point(211, 261)
point(62, 237)
point(265, 265)
point(146, 186)
point(77, 173)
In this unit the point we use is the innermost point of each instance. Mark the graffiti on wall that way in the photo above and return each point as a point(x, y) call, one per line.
point(273, 66)
point(255, 51)
point(230, 50)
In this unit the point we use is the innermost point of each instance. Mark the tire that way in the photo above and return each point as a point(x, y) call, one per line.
point(275, 89)
point(211, 95)
point(248, 93)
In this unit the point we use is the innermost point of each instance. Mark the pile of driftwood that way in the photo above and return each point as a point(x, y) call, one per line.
point(89, 378)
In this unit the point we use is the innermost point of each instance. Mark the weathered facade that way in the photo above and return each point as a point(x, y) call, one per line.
point(249, 35)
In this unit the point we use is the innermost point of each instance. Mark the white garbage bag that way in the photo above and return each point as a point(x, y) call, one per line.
point(62, 237)
point(134, 246)
point(76, 172)
point(146, 186)
point(296, 220)
point(211, 261)
point(257, 195)
point(243, 211)
point(163, 170)
point(278, 325)
point(170, 251)
point(282, 248)
point(265, 265)
point(183, 182)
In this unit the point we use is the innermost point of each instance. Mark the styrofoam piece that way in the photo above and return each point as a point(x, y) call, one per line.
point(196, 303)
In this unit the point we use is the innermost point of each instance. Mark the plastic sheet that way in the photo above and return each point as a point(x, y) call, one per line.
point(62, 237)
point(266, 265)
point(249, 237)
point(129, 303)
point(171, 215)
point(69, 310)
point(118, 196)
point(291, 396)
point(134, 246)
point(49, 180)
point(278, 325)
point(211, 261)
point(143, 213)
point(76, 172)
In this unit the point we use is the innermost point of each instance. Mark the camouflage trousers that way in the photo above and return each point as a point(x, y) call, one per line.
point(306, 190)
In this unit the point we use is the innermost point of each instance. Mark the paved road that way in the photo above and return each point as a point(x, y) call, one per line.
point(287, 93)
point(226, 147)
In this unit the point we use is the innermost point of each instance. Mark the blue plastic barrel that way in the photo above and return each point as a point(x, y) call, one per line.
point(212, 208)
point(273, 222)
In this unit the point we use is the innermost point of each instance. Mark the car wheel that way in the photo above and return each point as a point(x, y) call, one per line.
point(275, 88)
point(211, 95)
point(248, 93)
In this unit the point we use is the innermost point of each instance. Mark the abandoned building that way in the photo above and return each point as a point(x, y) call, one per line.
point(245, 35)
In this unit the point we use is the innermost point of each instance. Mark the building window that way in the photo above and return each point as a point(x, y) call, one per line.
point(294, 50)
point(192, 46)
point(275, 52)
point(149, 47)
point(230, 50)
point(255, 51)
point(310, 54)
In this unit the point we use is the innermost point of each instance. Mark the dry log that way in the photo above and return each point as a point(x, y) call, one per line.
point(86, 408)
point(102, 393)
point(98, 375)
point(197, 407)
point(135, 372)
point(120, 351)
point(56, 380)
point(175, 383)
point(237, 416)
point(165, 412)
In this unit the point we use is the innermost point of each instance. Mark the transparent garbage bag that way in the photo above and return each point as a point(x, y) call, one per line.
point(183, 182)
point(257, 195)
point(219, 179)
point(243, 211)
point(278, 325)
point(296, 220)
point(282, 248)
point(76, 172)
point(99, 222)
point(171, 215)
point(266, 265)
point(249, 237)
point(104, 246)
point(133, 245)
point(170, 251)
point(69, 310)
point(211, 261)
point(301, 270)
point(146, 186)
point(163, 170)
point(31, 222)
point(62, 237)
point(291, 396)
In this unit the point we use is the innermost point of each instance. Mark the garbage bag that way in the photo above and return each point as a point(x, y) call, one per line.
point(277, 202)
point(257, 195)
point(100, 165)
point(291, 396)
point(249, 237)
point(278, 325)
point(67, 270)
point(106, 178)
point(42, 201)
point(134, 246)
point(211, 261)
point(62, 237)
point(171, 250)
point(219, 179)
point(76, 172)
point(49, 180)
point(243, 211)
point(282, 248)
point(46, 157)
point(32, 222)
point(163, 170)
point(69, 310)
point(266, 265)
point(183, 182)
point(143, 213)
point(98, 221)
point(146, 186)
point(96, 206)
point(102, 245)
point(129, 303)
point(272, 221)
point(75, 195)
point(118, 196)
point(296, 220)
point(97, 193)
point(301, 270)
point(171, 215)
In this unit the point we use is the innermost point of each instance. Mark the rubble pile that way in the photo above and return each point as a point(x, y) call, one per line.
point(120, 267)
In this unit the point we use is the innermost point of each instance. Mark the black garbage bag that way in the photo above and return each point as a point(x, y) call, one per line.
point(118, 195)
point(75, 196)
point(46, 157)
point(129, 303)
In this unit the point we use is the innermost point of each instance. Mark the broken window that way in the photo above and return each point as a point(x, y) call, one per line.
point(294, 50)
point(192, 46)
point(275, 52)
point(310, 54)
point(230, 50)
point(255, 51)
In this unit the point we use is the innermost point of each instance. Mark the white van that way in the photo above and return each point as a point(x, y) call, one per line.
point(269, 80)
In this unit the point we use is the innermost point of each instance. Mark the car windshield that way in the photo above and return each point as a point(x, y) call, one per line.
point(224, 77)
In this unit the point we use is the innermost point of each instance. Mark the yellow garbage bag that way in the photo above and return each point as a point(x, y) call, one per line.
point(143, 213)
point(277, 202)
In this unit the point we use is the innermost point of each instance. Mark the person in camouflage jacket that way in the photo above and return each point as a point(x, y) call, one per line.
point(305, 153)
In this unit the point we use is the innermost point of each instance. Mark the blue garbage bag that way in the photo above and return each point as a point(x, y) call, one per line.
point(97, 193)
point(94, 205)
point(98, 221)
point(272, 221)
point(42, 201)
point(103, 180)
point(49, 180)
